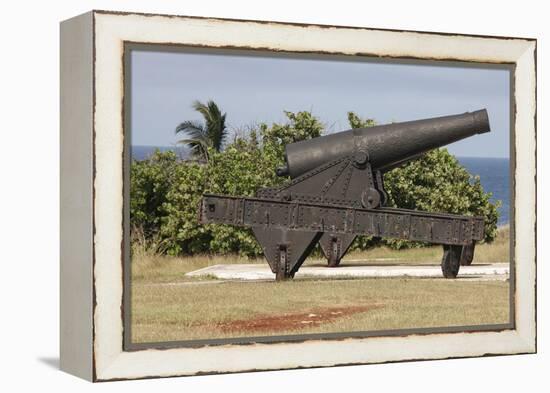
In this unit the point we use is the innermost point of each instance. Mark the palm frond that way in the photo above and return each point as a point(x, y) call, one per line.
point(191, 127)
point(190, 141)
point(217, 131)
point(210, 134)
point(197, 140)
point(198, 147)
point(202, 109)
point(215, 126)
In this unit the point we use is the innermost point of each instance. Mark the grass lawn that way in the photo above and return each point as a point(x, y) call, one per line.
point(168, 306)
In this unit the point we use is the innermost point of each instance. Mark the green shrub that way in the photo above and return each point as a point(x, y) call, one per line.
point(150, 181)
point(437, 182)
point(179, 226)
point(165, 193)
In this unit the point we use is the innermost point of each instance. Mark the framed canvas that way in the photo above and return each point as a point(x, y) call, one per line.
point(169, 203)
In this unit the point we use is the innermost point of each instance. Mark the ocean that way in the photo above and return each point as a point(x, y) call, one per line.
point(140, 153)
point(493, 172)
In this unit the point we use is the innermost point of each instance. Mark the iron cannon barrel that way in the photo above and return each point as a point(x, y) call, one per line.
point(387, 146)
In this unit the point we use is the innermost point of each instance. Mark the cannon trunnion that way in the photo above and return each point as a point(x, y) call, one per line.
point(336, 192)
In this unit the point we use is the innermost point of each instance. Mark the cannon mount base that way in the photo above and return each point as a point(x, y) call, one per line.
point(288, 230)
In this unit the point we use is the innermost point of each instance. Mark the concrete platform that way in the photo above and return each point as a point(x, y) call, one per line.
point(257, 272)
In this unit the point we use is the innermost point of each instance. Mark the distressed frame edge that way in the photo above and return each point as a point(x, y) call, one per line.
point(304, 24)
point(526, 339)
point(76, 196)
point(525, 226)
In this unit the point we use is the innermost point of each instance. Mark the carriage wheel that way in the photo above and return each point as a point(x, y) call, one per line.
point(467, 254)
point(450, 264)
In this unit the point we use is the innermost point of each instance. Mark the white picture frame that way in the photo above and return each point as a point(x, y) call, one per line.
point(92, 194)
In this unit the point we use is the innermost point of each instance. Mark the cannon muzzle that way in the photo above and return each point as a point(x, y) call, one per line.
point(385, 146)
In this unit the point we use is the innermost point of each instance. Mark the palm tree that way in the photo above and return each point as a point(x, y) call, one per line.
point(211, 134)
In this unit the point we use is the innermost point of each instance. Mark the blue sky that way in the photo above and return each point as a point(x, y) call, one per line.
point(253, 89)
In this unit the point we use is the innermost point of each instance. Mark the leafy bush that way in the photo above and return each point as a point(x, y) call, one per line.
point(150, 181)
point(437, 182)
point(165, 192)
point(178, 225)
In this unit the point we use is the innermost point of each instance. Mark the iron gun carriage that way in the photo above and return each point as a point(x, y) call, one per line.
point(336, 192)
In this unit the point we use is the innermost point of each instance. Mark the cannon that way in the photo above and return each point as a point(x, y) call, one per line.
point(336, 192)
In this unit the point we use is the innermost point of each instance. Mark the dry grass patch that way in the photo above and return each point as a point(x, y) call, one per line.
point(190, 311)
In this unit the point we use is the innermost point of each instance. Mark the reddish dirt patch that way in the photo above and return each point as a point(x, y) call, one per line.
point(293, 321)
